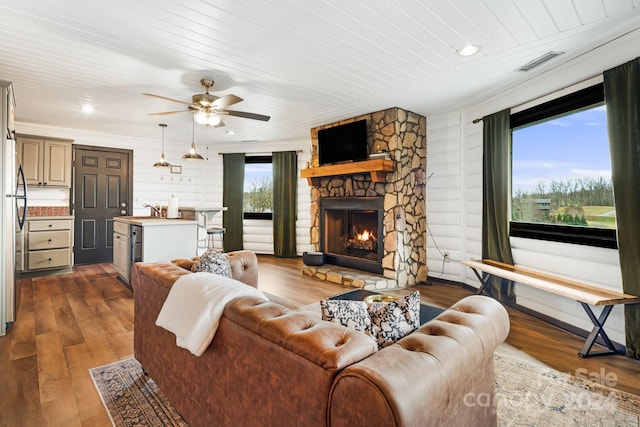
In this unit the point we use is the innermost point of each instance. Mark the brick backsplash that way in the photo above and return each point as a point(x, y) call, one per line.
point(47, 211)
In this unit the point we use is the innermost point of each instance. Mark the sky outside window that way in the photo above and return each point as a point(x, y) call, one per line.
point(256, 172)
point(258, 187)
point(569, 152)
point(572, 146)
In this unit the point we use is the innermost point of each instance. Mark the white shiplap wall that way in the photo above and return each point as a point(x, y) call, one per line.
point(445, 210)
point(454, 193)
point(199, 184)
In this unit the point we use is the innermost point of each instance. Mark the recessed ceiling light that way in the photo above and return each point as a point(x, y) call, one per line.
point(231, 132)
point(468, 50)
point(87, 108)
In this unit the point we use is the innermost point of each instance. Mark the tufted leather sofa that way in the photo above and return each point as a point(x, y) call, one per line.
point(272, 366)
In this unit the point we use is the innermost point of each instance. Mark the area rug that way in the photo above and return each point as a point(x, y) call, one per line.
point(133, 398)
point(531, 395)
point(526, 395)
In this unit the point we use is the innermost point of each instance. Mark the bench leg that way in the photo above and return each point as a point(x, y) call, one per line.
point(483, 282)
point(598, 329)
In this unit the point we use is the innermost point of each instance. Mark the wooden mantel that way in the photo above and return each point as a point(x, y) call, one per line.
point(378, 169)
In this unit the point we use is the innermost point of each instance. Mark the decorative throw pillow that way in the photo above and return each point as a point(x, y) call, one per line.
point(352, 314)
point(213, 261)
point(391, 321)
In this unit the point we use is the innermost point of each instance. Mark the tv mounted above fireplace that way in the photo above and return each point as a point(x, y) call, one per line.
point(343, 143)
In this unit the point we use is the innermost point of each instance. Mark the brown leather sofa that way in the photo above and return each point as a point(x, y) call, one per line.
point(272, 366)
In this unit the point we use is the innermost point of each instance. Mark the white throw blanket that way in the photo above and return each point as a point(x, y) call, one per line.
point(194, 306)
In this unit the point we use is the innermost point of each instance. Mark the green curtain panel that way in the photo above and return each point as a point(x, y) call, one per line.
point(622, 98)
point(285, 189)
point(232, 192)
point(495, 201)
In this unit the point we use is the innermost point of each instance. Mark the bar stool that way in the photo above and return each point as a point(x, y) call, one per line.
point(212, 232)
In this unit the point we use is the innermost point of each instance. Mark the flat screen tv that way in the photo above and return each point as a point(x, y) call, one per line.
point(343, 143)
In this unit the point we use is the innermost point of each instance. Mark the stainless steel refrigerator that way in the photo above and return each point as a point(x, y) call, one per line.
point(13, 212)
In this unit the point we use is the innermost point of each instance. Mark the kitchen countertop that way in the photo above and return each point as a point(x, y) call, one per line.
point(48, 217)
point(147, 221)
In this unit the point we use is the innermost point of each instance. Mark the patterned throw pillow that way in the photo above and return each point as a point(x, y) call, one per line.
point(352, 314)
point(213, 261)
point(391, 321)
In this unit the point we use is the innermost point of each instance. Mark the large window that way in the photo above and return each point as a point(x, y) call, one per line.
point(258, 187)
point(561, 171)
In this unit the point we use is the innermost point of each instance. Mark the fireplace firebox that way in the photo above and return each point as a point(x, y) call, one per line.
point(351, 232)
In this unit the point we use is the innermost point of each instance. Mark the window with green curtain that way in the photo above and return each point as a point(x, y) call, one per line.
point(622, 98)
point(258, 187)
point(561, 171)
point(495, 201)
point(232, 198)
point(285, 189)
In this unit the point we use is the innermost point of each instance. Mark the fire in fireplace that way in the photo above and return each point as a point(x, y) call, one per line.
point(351, 232)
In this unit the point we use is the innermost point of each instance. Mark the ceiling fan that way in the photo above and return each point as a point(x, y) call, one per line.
point(208, 109)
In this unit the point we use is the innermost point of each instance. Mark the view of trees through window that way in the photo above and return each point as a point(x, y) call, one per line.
point(561, 171)
point(258, 187)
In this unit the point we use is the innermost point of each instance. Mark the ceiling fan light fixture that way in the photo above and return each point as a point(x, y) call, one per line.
point(207, 118)
point(193, 153)
point(87, 108)
point(162, 163)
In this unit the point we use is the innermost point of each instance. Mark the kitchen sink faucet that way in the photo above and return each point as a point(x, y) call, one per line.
point(155, 209)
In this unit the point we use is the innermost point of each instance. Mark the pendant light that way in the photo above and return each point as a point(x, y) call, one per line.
point(162, 163)
point(193, 154)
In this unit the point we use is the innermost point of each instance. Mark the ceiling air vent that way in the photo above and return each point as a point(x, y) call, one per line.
point(539, 61)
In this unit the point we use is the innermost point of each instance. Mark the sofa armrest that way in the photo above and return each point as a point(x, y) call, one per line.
point(431, 377)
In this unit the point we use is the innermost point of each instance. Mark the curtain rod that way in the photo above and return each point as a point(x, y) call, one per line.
point(259, 152)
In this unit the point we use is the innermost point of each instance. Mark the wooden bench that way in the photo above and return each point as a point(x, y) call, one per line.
point(586, 294)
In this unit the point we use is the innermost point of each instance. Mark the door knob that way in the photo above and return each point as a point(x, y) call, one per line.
point(123, 212)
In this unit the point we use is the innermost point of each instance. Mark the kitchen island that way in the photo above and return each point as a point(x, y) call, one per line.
point(151, 239)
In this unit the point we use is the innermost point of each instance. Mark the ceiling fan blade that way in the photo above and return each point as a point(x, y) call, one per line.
point(167, 99)
point(225, 101)
point(245, 115)
point(165, 113)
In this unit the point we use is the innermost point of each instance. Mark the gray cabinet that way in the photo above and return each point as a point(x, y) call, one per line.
point(46, 161)
point(48, 243)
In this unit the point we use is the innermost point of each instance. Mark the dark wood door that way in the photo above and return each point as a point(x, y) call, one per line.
point(102, 189)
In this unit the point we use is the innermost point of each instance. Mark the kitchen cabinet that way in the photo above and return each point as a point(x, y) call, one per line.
point(121, 249)
point(46, 161)
point(48, 243)
point(151, 240)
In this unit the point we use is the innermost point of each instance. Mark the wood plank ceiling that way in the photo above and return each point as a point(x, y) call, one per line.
point(304, 63)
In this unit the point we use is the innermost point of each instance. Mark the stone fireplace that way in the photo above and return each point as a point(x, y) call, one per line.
point(351, 232)
point(396, 183)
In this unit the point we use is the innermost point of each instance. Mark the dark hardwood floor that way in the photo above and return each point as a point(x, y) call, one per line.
point(69, 323)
